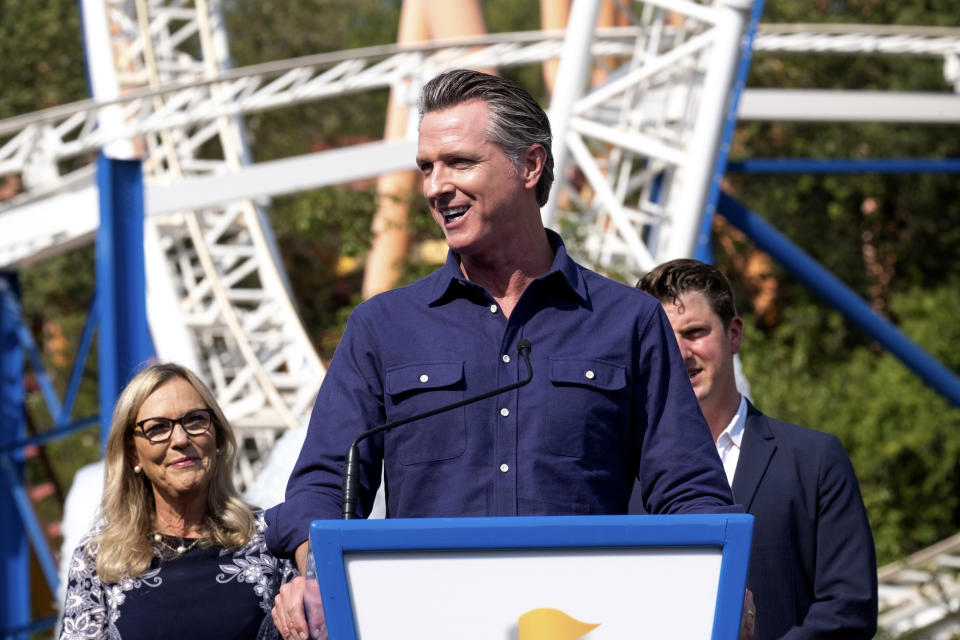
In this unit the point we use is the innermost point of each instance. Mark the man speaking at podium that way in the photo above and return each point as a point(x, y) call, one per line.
point(609, 399)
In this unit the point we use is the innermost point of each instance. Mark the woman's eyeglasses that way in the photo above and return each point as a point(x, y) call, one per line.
point(194, 423)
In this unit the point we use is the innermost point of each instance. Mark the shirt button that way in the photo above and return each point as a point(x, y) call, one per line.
point(504, 468)
point(590, 375)
point(424, 377)
point(504, 412)
point(493, 308)
point(506, 358)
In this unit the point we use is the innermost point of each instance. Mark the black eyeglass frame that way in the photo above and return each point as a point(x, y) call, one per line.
point(175, 421)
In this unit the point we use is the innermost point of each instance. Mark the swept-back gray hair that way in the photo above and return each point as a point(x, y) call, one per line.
point(516, 120)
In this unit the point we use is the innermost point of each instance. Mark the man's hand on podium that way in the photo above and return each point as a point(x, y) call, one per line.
point(298, 612)
point(297, 609)
point(748, 618)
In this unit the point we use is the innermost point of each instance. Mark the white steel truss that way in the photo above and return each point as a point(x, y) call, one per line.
point(645, 141)
point(37, 146)
point(217, 296)
point(164, 90)
point(921, 594)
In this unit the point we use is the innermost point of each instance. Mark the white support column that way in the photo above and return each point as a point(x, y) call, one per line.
point(571, 78)
point(688, 192)
point(102, 73)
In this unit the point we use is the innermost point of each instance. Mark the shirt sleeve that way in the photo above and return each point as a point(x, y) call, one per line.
point(680, 471)
point(84, 609)
point(350, 401)
point(845, 583)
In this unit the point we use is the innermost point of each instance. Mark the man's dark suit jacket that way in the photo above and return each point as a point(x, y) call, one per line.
point(813, 567)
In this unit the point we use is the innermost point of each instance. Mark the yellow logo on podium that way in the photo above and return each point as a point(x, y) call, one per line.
point(551, 624)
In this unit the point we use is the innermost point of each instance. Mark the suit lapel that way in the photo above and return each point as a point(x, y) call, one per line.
point(756, 451)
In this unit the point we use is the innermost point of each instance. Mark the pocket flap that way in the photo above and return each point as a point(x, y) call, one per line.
point(423, 376)
point(589, 373)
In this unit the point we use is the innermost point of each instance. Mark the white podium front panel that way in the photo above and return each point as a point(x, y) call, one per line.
point(534, 578)
point(482, 595)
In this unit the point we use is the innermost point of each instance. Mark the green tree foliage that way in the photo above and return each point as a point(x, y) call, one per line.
point(41, 55)
point(41, 66)
point(57, 294)
point(324, 234)
point(895, 239)
point(903, 438)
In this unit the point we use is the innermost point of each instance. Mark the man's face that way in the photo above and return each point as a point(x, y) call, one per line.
point(707, 348)
point(471, 185)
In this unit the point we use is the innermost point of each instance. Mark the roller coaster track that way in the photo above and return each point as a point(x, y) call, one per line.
point(36, 146)
point(214, 276)
point(218, 301)
point(922, 593)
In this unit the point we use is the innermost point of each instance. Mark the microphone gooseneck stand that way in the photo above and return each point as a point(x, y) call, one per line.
point(350, 464)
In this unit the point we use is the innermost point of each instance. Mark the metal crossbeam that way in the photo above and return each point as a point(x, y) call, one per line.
point(218, 299)
point(922, 593)
point(225, 314)
point(33, 144)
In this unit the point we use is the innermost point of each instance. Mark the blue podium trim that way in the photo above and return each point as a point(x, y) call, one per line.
point(731, 533)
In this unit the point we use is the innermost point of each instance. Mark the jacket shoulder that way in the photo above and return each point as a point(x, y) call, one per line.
point(795, 436)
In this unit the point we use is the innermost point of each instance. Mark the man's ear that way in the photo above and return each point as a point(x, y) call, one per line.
point(532, 162)
point(735, 334)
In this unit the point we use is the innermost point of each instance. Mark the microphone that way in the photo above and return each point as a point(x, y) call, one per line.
point(349, 492)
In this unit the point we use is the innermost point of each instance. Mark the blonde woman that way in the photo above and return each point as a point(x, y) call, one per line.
point(176, 553)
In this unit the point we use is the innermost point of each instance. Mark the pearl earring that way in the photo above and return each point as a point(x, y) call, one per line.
point(136, 468)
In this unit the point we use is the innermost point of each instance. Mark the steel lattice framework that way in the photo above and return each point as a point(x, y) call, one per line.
point(218, 299)
point(36, 146)
point(164, 91)
point(921, 594)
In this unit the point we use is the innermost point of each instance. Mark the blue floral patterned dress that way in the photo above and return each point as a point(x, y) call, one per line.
point(202, 593)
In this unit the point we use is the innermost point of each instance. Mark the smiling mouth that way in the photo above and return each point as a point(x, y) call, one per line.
point(183, 462)
point(453, 214)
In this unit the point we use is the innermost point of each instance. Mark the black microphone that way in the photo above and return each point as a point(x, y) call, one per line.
point(353, 453)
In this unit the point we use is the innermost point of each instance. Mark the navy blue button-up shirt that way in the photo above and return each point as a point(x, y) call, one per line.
point(610, 401)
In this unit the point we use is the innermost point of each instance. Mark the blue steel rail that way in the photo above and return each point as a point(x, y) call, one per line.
point(118, 315)
point(819, 280)
point(844, 165)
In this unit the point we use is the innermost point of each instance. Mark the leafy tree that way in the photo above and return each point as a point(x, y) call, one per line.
point(901, 435)
point(894, 240)
point(41, 50)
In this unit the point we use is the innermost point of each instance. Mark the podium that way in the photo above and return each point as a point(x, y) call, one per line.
point(534, 578)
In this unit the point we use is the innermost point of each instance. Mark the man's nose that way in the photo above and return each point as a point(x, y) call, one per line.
point(437, 183)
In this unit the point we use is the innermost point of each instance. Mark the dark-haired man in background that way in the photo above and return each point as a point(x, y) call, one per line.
point(609, 400)
point(812, 567)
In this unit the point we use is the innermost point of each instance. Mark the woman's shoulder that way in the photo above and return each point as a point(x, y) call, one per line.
point(88, 544)
point(257, 541)
point(260, 522)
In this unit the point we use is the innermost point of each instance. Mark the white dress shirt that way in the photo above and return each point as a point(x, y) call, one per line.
point(728, 444)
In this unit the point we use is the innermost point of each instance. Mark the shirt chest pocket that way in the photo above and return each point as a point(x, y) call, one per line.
point(590, 409)
point(417, 388)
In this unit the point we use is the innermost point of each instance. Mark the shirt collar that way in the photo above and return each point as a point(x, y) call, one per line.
point(452, 283)
point(734, 430)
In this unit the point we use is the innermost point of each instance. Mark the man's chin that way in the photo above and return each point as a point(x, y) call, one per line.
point(701, 392)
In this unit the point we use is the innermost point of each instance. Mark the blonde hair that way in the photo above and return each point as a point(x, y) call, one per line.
point(124, 548)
